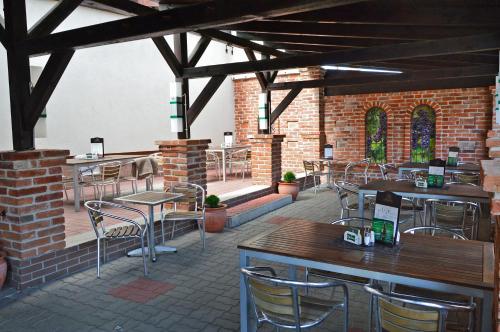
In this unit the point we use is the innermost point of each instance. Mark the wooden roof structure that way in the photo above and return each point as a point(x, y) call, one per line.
point(434, 43)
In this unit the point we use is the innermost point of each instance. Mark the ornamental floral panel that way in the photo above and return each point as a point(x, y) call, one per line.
point(376, 135)
point(423, 134)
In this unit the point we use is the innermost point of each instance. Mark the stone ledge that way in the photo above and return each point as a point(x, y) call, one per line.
point(183, 142)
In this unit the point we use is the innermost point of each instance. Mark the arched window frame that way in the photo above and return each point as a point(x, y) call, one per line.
point(423, 134)
point(376, 134)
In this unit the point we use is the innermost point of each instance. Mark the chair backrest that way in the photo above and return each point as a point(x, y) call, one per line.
point(469, 178)
point(384, 170)
point(145, 167)
point(239, 155)
point(194, 195)
point(212, 156)
point(448, 212)
point(159, 161)
point(423, 315)
point(362, 163)
point(110, 171)
point(309, 166)
point(345, 190)
point(97, 214)
point(435, 231)
point(418, 173)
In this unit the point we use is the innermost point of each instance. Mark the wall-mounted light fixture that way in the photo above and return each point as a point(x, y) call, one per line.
point(176, 107)
point(263, 117)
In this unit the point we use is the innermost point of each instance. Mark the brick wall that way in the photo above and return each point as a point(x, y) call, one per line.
point(266, 159)
point(463, 115)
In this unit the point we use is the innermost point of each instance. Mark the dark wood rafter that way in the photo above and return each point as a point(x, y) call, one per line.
point(3, 34)
point(397, 13)
point(129, 7)
point(284, 104)
point(203, 98)
point(50, 21)
point(241, 42)
point(168, 55)
point(46, 84)
point(181, 54)
point(374, 31)
point(461, 72)
point(260, 76)
point(408, 85)
point(272, 76)
point(19, 73)
point(198, 51)
point(417, 49)
point(207, 15)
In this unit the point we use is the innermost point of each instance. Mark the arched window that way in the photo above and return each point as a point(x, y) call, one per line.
point(376, 135)
point(423, 134)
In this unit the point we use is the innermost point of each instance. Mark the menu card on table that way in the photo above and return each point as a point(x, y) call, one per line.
point(436, 173)
point(386, 217)
point(453, 156)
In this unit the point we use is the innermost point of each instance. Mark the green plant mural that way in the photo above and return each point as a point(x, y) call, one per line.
point(423, 134)
point(376, 135)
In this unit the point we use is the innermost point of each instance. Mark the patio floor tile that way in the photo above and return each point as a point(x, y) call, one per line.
point(141, 290)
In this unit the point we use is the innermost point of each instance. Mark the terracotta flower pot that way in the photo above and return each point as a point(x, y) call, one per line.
point(290, 188)
point(215, 218)
point(3, 268)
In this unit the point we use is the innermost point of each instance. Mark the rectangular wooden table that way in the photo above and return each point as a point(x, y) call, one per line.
point(76, 164)
point(449, 169)
point(459, 192)
point(151, 199)
point(441, 264)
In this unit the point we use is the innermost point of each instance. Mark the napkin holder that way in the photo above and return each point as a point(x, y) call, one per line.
point(353, 236)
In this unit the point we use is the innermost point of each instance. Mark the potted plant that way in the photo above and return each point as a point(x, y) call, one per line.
point(215, 214)
point(289, 185)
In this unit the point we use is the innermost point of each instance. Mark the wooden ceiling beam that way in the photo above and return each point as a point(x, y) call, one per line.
point(282, 106)
point(241, 42)
point(129, 7)
point(198, 50)
point(182, 19)
point(417, 49)
point(3, 33)
point(399, 12)
point(461, 72)
point(260, 76)
point(402, 32)
point(401, 86)
point(203, 98)
point(168, 55)
point(53, 18)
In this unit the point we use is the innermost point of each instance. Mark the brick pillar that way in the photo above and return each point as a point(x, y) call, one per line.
point(266, 159)
point(31, 193)
point(184, 161)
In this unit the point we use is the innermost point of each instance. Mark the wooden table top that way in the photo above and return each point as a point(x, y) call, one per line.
point(457, 262)
point(149, 198)
point(102, 160)
point(463, 168)
point(463, 190)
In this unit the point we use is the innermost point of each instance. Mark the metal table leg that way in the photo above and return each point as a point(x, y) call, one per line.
point(361, 204)
point(223, 165)
point(245, 321)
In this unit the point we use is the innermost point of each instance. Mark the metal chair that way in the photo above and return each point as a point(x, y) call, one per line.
point(393, 313)
point(281, 303)
point(385, 170)
point(186, 207)
point(140, 169)
point(457, 216)
point(363, 163)
point(132, 230)
point(214, 160)
point(466, 177)
point(435, 231)
point(109, 174)
point(238, 158)
point(348, 279)
point(310, 169)
point(347, 194)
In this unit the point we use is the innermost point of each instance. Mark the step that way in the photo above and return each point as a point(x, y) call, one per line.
point(255, 208)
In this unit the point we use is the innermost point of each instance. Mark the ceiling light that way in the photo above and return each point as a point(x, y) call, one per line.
point(368, 70)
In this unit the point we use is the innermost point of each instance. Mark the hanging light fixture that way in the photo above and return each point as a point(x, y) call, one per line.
point(176, 107)
point(263, 119)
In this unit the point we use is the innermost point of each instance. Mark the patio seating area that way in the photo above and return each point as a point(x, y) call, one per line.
point(206, 165)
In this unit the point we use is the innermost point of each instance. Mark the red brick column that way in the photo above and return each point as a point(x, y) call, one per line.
point(31, 193)
point(184, 161)
point(266, 159)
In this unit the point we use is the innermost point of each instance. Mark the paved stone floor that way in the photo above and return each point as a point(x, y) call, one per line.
point(192, 290)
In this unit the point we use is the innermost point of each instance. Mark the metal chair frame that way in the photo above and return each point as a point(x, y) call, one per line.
point(238, 157)
point(384, 170)
point(96, 215)
point(310, 169)
point(459, 177)
point(213, 159)
point(198, 208)
point(366, 162)
point(102, 179)
point(470, 208)
point(433, 229)
point(295, 286)
point(441, 307)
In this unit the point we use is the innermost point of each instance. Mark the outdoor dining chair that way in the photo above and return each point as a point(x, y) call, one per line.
point(466, 177)
point(108, 175)
point(191, 206)
point(396, 312)
point(458, 216)
point(214, 161)
point(238, 159)
point(347, 194)
point(130, 228)
point(311, 170)
point(283, 303)
point(364, 164)
point(385, 170)
point(140, 169)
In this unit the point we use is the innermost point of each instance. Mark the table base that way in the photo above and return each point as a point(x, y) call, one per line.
point(158, 250)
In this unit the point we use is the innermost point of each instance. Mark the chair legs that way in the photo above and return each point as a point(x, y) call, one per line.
point(202, 232)
point(98, 258)
point(144, 257)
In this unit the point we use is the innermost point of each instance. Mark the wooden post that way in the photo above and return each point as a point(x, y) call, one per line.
point(181, 53)
point(19, 73)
